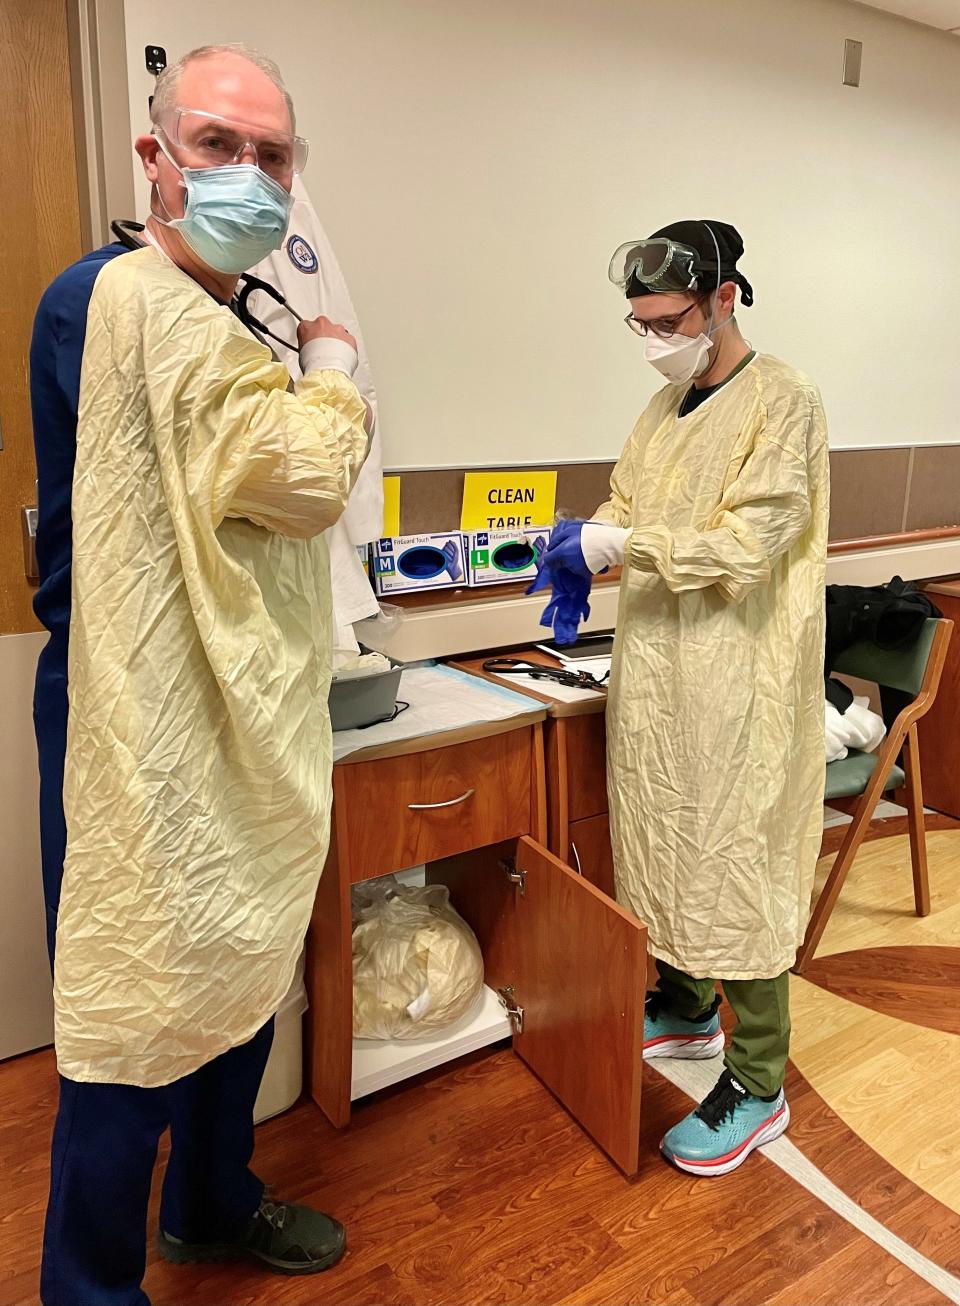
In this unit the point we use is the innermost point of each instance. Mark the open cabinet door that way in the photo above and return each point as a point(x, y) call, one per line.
point(580, 977)
point(576, 964)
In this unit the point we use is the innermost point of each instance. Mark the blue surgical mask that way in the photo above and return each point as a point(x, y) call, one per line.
point(234, 215)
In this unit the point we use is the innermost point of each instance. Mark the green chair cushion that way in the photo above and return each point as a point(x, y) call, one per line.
point(850, 777)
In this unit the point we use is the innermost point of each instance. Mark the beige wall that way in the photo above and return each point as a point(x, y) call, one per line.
point(476, 162)
point(26, 1007)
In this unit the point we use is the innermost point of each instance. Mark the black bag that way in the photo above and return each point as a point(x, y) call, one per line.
point(889, 616)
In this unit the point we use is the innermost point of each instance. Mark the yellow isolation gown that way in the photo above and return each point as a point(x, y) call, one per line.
point(198, 771)
point(715, 718)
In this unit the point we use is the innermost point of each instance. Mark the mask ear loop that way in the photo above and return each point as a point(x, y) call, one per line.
point(169, 220)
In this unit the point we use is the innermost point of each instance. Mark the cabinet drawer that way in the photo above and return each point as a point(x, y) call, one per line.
point(398, 812)
point(586, 766)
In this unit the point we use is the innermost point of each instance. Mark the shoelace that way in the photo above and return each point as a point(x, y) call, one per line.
point(274, 1213)
point(720, 1103)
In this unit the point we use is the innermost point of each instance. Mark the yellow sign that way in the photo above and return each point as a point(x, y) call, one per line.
point(499, 500)
point(391, 505)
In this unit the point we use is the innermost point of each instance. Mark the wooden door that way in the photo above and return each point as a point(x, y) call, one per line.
point(577, 964)
point(40, 226)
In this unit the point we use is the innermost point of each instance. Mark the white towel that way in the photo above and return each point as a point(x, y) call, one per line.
point(858, 727)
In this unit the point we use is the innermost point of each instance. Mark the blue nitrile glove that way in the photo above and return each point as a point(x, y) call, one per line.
point(565, 550)
point(549, 565)
point(570, 584)
point(568, 607)
point(587, 548)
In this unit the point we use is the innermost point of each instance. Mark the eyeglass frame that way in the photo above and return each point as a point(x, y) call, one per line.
point(180, 110)
point(645, 328)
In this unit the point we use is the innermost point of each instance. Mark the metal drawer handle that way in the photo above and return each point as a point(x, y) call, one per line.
point(451, 802)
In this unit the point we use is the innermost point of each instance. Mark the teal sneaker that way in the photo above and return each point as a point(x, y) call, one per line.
point(724, 1129)
point(672, 1036)
point(287, 1239)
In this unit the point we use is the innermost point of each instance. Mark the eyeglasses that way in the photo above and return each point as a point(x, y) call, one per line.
point(215, 141)
point(661, 326)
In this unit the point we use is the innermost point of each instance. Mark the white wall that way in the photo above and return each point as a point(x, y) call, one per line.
point(477, 161)
point(26, 1001)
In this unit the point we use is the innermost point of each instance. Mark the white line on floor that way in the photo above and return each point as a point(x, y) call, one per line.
point(697, 1078)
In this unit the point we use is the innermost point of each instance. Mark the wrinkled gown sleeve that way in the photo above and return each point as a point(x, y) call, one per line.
point(618, 509)
point(255, 449)
point(761, 515)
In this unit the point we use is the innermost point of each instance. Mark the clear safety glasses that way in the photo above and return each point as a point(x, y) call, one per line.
point(211, 141)
point(661, 265)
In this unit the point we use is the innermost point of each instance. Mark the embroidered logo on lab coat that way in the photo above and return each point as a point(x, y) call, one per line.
point(301, 255)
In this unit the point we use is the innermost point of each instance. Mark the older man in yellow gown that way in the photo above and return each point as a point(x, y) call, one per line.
point(181, 702)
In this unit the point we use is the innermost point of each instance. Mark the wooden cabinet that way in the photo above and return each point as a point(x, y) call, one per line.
point(584, 751)
point(578, 828)
point(576, 770)
point(939, 730)
point(474, 809)
point(591, 853)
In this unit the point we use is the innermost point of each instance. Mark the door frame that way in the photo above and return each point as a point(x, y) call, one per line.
point(101, 116)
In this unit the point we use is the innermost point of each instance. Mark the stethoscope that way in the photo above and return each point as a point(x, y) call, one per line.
point(129, 234)
point(539, 671)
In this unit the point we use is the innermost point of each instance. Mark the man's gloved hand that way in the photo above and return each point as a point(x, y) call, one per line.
point(585, 548)
point(603, 545)
point(576, 553)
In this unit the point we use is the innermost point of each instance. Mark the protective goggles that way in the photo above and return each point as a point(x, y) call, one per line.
point(661, 265)
point(211, 141)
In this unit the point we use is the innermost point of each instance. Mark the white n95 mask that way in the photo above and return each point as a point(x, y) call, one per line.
point(678, 358)
point(682, 358)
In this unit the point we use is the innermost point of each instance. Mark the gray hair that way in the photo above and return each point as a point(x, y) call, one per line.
point(168, 83)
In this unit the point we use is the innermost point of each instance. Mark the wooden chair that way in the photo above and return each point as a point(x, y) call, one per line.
point(867, 776)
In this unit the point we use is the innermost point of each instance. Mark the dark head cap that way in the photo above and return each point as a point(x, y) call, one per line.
point(695, 233)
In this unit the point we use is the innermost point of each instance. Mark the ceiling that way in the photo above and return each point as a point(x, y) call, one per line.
point(944, 14)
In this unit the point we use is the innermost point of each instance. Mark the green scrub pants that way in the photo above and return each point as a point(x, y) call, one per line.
point(757, 1054)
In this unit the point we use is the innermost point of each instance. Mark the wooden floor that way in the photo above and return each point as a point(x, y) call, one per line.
point(473, 1186)
point(877, 1014)
point(476, 1187)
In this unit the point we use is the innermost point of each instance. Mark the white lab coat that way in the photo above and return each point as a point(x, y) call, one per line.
point(306, 272)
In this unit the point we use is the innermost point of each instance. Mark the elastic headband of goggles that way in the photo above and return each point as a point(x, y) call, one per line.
point(707, 281)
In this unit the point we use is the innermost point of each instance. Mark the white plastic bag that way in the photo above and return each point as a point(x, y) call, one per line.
point(417, 966)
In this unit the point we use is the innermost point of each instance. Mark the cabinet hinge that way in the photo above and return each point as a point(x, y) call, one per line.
point(509, 866)
point(510, 1005)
